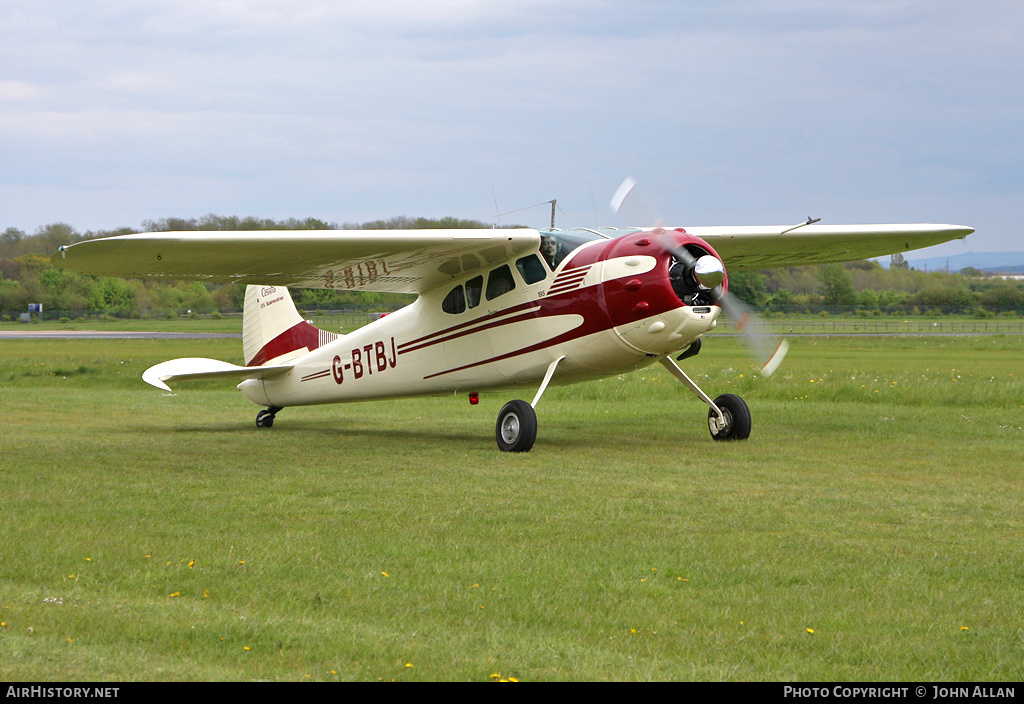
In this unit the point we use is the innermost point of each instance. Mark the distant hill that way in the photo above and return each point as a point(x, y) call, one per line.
point(992, 262)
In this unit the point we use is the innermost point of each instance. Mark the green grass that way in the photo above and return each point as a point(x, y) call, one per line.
point(152, 536)
point(334, 321)
point(228, 324)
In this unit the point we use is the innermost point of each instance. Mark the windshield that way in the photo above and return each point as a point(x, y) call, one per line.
point(556, 245)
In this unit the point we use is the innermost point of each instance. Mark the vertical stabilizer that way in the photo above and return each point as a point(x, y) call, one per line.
point(272, 329)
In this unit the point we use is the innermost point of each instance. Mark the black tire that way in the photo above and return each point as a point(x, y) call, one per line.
point(516, 430)
point(737, 418)
point(264, 419)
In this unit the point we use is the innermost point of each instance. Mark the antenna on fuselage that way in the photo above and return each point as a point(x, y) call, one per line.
point(553, 203)
point(495, 194)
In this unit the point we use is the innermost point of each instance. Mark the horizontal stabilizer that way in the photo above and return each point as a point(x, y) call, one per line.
point(199, 368)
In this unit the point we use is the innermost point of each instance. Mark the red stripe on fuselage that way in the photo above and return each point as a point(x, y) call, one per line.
point(408, 346)
point(532, 312)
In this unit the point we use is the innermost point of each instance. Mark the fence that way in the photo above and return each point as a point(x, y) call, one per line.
point(918, 326)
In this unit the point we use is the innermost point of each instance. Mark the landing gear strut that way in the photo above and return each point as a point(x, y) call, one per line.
point(516, 430)
point(265, 418)
point(728, 417)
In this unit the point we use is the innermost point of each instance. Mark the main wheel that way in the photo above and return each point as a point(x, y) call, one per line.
point(516, 430)
point(265, 419)
point(737, 418)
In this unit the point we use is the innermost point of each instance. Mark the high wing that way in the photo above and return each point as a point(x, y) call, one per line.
point(397, 261)
point(414, 261)
point(770, 247)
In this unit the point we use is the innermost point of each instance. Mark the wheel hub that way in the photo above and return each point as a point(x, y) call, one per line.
point(510, 428)
point(718, 426)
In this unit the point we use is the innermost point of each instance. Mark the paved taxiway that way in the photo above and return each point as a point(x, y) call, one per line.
point(110, 335)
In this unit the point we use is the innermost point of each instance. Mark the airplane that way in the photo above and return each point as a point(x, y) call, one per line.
point(495, 309)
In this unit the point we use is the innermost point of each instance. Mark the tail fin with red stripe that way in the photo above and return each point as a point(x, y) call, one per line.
point(273, 332)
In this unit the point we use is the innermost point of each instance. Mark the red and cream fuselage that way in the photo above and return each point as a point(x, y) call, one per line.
point(608, 307)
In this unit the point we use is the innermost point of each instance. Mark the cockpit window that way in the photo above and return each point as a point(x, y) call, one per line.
point(556, 245)
point(500, 281)
point(551, 250)
point(531, 269)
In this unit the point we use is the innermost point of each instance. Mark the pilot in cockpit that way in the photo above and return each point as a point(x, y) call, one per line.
point(550, 249)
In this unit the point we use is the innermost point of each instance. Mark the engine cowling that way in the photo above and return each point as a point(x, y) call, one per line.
point(660, 302)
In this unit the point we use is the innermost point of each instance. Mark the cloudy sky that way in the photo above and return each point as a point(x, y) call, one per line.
point(726, 112)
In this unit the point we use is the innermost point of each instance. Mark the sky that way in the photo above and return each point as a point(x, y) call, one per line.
point(725, 112)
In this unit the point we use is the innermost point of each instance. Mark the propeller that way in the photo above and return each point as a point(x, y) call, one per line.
point(702, 277)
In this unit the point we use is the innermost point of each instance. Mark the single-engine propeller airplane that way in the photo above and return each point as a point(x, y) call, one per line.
point(496, 309)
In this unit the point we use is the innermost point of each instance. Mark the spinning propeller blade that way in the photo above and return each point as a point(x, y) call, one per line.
point(767, 349)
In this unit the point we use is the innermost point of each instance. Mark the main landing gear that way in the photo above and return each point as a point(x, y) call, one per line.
point(516, 430)
point(265, 418)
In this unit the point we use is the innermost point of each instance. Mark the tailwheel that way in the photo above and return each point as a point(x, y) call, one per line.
point(736, 416)
point(265, 418)
point(516, 430)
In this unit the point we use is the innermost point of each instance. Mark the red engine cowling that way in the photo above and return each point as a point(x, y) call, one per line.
point(671, 282)
point(654, 292)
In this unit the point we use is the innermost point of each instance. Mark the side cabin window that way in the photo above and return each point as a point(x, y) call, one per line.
point(473, 289)
point(531, 269)
point(499, 282)
point(455, 301)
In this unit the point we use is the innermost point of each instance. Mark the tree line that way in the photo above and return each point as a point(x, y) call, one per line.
point(862, 287)
point(867, 288)
point(27, 276)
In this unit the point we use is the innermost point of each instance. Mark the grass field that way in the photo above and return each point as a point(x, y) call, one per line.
point(870, 529)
